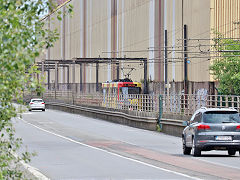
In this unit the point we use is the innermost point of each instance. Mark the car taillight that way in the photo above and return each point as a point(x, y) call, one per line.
point(31, 102)
point(43, 103)
point(203, 126)
point(238, 127)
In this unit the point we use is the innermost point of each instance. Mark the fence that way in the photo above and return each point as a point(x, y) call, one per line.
point(139, 103)
point(188, 104)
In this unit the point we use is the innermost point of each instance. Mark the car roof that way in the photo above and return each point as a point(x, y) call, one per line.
point(36, 99)
point(204, 109)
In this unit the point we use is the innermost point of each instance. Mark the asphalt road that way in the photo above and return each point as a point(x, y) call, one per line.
point(74, 147)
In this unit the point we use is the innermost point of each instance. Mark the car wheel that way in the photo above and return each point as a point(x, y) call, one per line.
point(196, 151)
point(43, 110)
point(231, 152)
point(186, 150)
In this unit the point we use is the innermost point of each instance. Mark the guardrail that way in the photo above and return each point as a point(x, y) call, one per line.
point(149, 104)
point(140, 105)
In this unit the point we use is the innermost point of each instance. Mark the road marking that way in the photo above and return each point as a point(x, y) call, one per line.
point(114, 154)
point(216, 163)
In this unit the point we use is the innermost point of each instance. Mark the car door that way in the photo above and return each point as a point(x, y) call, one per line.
point(193, 125)
point(188, 132)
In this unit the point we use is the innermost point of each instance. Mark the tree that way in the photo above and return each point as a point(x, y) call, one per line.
point(22, 38)
point(226, 68)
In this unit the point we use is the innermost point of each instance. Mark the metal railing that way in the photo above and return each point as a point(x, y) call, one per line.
point(188, 104)
point(132, 102)
point(185, 104)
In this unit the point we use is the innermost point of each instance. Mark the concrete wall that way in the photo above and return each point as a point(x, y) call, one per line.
point(170, 124)
point(108, 115)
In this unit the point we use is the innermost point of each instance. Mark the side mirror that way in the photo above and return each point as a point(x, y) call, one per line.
point(185, 123)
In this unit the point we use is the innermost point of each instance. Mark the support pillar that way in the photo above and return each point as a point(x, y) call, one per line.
point(97, 70)
point(185, 61)
point(145, 77)
point(81, 75)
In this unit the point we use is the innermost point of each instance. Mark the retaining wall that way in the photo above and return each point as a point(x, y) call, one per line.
point(148, 123)
point(171, 124)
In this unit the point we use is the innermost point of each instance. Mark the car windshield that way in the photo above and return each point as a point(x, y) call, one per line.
point(134, 90)
point(221, 117)
point(37, 100)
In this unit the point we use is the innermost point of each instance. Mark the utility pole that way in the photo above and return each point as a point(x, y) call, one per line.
point(185, 61)
point(166, 62)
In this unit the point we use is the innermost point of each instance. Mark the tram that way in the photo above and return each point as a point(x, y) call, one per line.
point(120, 93)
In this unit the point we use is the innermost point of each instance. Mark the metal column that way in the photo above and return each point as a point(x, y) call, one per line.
point(56, 79)
point(165, 62)
point(68, 74)
point(185, 61)
point(42, 73)
point(81, 88)
point(97, 71)
point(117, 70)
point(73, 76)
point(145, 77)
point(48, 72)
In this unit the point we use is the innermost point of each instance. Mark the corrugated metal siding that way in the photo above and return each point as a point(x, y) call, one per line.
point(116, 25)
point(227, 17)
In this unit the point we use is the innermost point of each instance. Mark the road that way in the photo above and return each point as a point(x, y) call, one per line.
point(71, 146)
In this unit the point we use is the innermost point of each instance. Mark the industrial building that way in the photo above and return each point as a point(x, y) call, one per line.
point(173, 35)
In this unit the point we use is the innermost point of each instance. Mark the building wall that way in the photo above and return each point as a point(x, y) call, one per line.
point(225, 19)
point(135, 29)
point(117, 28)
point(196, 15)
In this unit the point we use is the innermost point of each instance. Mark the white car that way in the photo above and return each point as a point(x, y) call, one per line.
point(37, 104)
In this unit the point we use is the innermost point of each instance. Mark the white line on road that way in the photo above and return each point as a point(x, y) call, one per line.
point(114, 154)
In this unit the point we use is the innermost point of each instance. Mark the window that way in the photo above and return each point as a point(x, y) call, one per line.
point(134, 90)
point(37, 100)
point(221, 117)
point(197, 118)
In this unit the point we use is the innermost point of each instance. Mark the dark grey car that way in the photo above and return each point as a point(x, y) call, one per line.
point(212, 129)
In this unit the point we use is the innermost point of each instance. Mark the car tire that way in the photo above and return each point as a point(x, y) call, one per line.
point(231, 152)
point(43, 110)
point(196, 151)
point(186, 150)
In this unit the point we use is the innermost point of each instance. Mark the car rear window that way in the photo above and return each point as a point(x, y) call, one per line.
point(221, 117)
point(37, 100)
